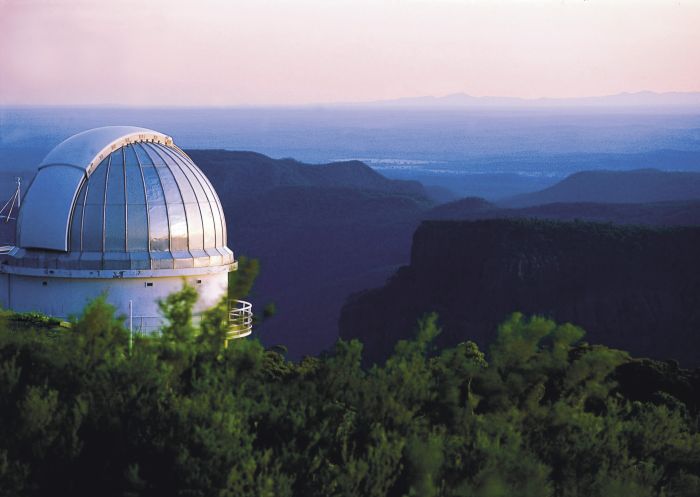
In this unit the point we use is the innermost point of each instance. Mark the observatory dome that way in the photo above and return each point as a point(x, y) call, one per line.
point(120, 198)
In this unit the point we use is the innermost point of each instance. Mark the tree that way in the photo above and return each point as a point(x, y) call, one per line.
point(240, 282)
point(98, 336)
point(178, 334)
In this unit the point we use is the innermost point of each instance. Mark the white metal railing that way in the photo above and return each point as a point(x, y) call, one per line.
point(240, 319)
point(139, 325)
point(145, 325)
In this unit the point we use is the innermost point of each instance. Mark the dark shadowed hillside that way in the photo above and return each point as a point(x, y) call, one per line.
point(320, 232)
point(637, 186)
point(249, 173)
point(317, 246)
point(629, 287)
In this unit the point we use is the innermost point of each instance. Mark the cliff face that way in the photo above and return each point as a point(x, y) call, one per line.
point(633, 288)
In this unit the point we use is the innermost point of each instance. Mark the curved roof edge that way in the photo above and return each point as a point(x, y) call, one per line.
point(87, 149)
point(44, 219)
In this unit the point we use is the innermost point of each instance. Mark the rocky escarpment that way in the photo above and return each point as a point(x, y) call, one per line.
point(629, 287)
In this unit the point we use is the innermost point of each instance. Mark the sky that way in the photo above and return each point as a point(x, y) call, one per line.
point(296, 52)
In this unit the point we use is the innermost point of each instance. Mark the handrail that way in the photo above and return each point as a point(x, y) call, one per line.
point(147, 325)
point(240, 320)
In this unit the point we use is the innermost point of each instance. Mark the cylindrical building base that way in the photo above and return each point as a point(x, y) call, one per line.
point(63, 297)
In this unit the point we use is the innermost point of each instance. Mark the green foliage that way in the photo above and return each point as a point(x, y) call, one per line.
point(178, 334)
point(213, 326)
point(240, 282)
point(540, 416)
point(30, 319)
point(97, 336)
point(177, 310)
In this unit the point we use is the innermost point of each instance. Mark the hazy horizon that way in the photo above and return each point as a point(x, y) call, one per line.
point(503, 151)
point(574, 101)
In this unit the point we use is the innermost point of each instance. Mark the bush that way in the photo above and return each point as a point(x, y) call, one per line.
point(540, 415)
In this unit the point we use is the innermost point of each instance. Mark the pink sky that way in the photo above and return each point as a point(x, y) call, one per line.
point(226, 52)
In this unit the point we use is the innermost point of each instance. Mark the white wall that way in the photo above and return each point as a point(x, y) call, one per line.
point(62, 297)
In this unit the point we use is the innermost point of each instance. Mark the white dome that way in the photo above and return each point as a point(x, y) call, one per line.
point(121, 198)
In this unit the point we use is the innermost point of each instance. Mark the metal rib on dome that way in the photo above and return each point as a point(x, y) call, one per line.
point(145, 205)
point(147, 197)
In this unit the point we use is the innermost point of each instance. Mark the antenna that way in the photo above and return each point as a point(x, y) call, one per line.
point(10, 204)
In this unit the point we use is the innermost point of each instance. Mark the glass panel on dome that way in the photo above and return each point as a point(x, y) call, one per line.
point(217, 211)
point(163, 152)
point(92, 226)
point(158, 227)
point(135, 192)
point(215, 203)
point(154, 190)
point(196, 184)
point(208, 222)
point(143, 157)
point(115, 179)
point(75, 230)
point(188, 194)
point(115, 228)
point(205, 196)
point(130, 159)
point(138, 227)
point(96, 189)
point(194, 222)
point(219, 226)
point(178, 227)
point(156, 159)
point(81, 194)
point(224, 241)
point(186, 190)
point(77, 219)
point(172, 192)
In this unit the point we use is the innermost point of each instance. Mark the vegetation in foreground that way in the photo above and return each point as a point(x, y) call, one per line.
point(180, 415)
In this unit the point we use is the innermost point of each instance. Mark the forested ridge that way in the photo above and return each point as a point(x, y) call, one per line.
point(634, 288)
point(540, 413)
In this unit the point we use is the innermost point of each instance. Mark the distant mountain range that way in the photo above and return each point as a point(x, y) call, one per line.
point(458, 100)
point(636, 186)
point(323, 232)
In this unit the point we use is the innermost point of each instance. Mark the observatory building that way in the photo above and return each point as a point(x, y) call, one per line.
point(122, 211)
